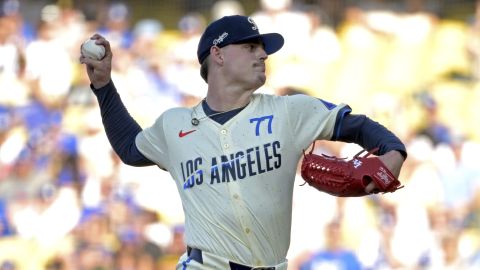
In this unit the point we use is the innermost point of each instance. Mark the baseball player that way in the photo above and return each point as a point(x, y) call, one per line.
point(234, 155)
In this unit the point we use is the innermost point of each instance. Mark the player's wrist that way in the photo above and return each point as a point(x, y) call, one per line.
point(397, 155)
point(99, 85)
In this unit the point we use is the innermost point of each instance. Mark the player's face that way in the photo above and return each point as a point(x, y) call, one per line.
point(245, 64)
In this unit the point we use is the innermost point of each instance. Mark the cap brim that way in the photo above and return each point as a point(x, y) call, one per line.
point(272, 42)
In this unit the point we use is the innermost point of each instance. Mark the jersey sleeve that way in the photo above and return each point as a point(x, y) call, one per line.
point(313, 119)
point(151, 142)
point(369, 134)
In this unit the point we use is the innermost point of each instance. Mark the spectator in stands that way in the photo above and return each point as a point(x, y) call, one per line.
point(334, 255)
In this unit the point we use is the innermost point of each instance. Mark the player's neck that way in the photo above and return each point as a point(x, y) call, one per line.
point(227, 99)
point(222, 104)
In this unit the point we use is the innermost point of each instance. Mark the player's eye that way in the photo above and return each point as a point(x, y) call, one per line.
point(250, 46)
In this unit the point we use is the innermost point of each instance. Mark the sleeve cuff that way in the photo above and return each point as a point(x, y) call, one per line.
point(109, 85)
point(403, 153)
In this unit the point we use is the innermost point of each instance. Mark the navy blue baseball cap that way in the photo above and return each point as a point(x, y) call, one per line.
point(233, 30)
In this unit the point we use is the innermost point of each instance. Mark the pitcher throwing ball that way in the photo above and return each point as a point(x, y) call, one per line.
point(234, 155)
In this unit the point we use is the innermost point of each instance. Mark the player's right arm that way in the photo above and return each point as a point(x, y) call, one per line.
point(120, 127)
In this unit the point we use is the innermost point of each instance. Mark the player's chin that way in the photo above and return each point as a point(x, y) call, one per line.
point(261, 78)
point(256, 81)
point(259, 83)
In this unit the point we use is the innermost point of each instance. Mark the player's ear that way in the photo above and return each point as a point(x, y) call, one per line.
point(217, 54)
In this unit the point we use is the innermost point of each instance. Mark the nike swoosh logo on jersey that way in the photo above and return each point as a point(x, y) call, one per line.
point(183, 134)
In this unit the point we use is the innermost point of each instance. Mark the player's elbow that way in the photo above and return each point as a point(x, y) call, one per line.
point(133, 157)
point(137, 162)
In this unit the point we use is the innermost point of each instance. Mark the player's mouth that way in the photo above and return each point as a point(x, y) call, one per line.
point(260, 66)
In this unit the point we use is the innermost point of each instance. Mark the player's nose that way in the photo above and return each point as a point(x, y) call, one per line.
point(261, 53)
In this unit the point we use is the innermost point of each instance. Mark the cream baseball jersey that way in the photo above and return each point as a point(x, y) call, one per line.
point(236, 180)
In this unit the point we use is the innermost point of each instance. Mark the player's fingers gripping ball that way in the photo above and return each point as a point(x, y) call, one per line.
point(92, 50)
point(347, 178)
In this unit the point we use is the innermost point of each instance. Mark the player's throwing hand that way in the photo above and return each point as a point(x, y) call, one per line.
point(99, 70)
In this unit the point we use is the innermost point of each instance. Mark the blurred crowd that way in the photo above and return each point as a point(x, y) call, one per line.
point(68, 203)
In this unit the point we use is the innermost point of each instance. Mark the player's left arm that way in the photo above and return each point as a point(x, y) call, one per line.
point(369, 134)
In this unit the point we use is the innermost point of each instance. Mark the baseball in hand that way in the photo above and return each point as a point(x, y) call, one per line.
point(92, 50)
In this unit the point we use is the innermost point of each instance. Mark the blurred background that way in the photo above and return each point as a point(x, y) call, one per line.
point(68, 203)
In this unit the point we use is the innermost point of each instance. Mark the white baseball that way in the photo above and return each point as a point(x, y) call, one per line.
point(92, 50)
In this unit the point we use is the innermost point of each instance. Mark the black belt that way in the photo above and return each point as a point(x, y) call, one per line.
point(196, 255)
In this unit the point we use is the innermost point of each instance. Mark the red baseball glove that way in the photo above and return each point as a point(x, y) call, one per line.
point(347, 178)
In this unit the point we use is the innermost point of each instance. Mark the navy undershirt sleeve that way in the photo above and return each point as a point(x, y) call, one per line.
point(367, 133)
point(120, 127)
